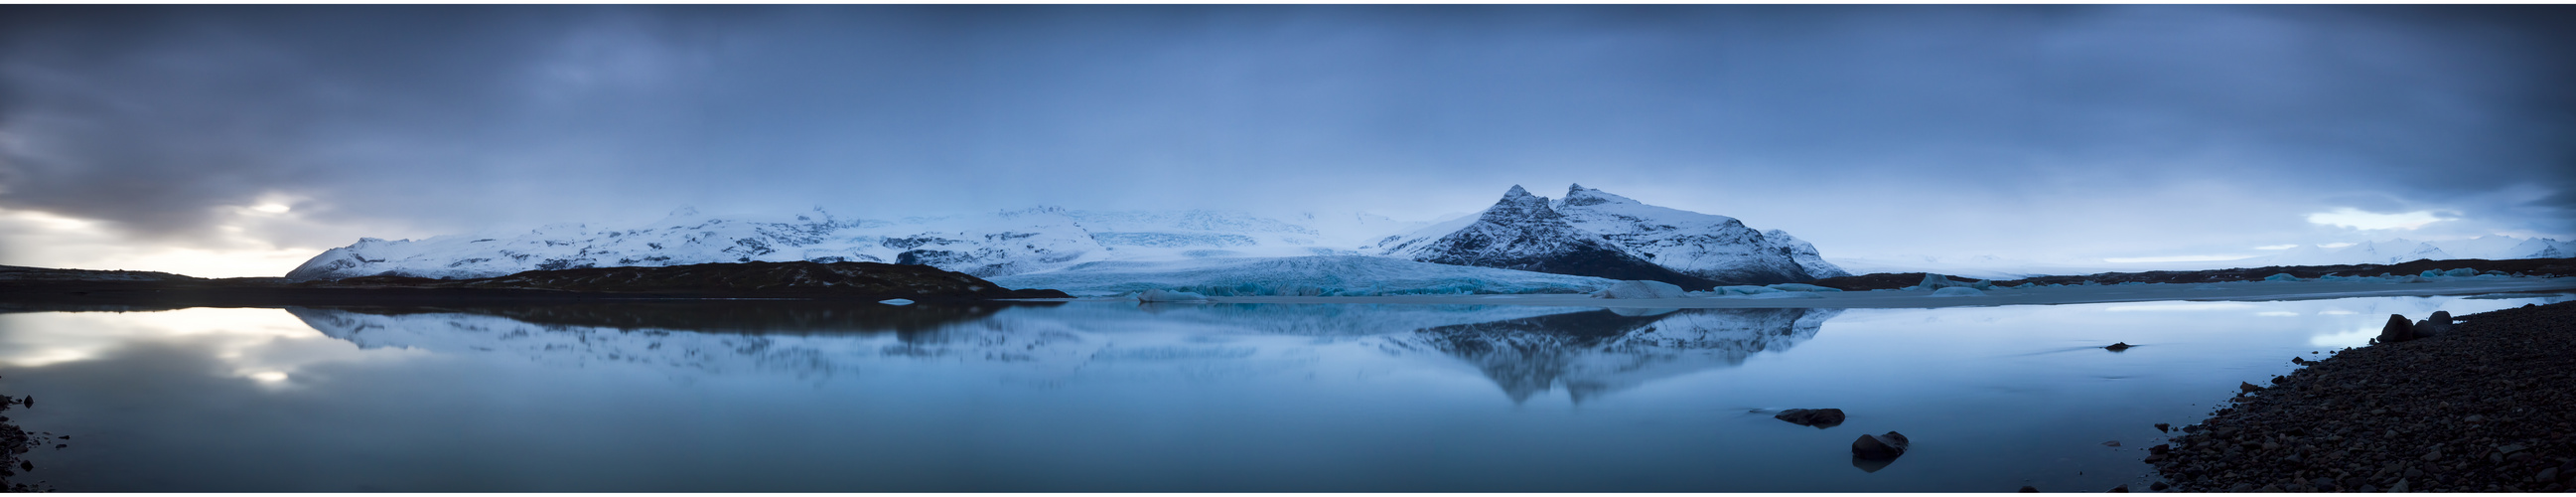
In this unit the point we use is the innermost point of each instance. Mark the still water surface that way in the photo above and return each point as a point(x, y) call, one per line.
point(1095, 396)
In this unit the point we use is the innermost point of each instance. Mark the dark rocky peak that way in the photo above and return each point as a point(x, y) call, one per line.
point(1578, 195)
point(1519, 204)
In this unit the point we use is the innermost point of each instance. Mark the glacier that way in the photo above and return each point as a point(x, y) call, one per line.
point(1296, 276)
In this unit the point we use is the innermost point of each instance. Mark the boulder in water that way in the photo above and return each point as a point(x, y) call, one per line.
point(1819, 418)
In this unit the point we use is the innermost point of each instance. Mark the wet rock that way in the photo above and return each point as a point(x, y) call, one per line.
point(2113, 443)
point(2248, 387)
point(2158, 486)
point(2439, 324)
point(2163, 427)
point(1820, 418)
point(2027, 489)
point(1880, 447)
point(2119, 346)
point(2397, 329)
point(2241, 488)
point(2399, 488)
point(2122, 489)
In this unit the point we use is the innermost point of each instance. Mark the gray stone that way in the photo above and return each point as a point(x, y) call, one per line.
point(2399, 488)
point(1820, 418)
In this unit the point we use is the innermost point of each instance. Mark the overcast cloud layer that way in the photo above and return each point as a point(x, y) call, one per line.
point(2035, 131)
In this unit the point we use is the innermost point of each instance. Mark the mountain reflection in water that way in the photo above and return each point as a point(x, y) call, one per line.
point(1524, 350)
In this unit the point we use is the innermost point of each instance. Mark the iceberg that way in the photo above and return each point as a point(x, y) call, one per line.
point(2281, 277)
point(1937, 282)
point(895, 301)
point(1640, 289)
point(1802, 287)
point(1958, 291)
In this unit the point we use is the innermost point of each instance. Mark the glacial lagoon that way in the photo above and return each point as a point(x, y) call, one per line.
point(1118, 396)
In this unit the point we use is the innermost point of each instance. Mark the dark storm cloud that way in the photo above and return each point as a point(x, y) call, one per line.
point(464, 116)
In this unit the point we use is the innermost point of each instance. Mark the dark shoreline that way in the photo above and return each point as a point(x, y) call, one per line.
point(2485, 407)
point(846, 282)
point(2529, 267)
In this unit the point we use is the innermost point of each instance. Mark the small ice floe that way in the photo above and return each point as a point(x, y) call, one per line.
point(895, 301)
point(1169, 296)
point(2281, 277)
point(1641, 290)
point(1802, 287)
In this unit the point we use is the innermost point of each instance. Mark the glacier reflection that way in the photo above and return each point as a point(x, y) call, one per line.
point(1524, 350)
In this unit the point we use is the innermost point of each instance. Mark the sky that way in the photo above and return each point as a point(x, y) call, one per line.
point(241, 140)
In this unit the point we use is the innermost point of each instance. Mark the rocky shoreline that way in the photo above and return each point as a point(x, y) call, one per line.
point(2485, 406)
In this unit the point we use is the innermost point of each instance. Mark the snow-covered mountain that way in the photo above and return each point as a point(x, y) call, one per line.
point(1521, 232)
point(1596, 233)
point(1709, 246)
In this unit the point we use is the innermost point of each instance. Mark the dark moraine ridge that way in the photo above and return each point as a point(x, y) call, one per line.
point(2485, 407)
point(2531, 267)
point(838, 281)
